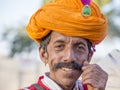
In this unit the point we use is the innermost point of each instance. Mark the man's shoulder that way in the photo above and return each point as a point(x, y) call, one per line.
point(34, 86)
point(29, 88)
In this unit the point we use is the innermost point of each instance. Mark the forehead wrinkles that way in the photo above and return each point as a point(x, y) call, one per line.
point(76, 40)
point(70, 40)
point(66, 39)
point(59, 37)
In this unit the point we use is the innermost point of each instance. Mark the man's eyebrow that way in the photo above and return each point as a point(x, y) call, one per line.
point(59, 41)
point(79, 43)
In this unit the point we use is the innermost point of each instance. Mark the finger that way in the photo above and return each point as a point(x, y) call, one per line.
point(85, 65)
point(97, 81)
point(91, 68)
point(90, 87)
point(91, 82)
point(90, 76)
point(96, 85)
point(95, 77)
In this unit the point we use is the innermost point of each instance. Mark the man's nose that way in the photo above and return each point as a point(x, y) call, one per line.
point(69, 55)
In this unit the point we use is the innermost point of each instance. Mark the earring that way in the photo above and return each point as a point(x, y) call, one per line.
point(46, 61)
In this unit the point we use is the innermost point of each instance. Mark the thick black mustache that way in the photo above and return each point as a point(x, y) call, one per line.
point(72, 65)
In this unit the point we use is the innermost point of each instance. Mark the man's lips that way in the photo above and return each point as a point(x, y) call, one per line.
point(67, 66)
point(67, 69)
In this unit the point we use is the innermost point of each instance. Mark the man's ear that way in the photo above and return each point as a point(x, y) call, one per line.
point(90, 56)
point(43, 55)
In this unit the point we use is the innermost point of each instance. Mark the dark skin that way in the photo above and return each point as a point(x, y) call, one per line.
point(63, 48)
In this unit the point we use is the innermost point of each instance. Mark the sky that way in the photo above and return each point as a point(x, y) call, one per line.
point(14, 11)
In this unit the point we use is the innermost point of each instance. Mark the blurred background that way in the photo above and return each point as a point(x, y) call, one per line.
point(20, 64)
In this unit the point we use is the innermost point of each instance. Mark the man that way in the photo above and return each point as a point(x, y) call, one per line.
point(67, 31)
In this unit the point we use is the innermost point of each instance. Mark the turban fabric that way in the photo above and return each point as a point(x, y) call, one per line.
point(65, 17)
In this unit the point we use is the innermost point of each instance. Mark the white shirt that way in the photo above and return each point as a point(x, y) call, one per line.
point(53, 86)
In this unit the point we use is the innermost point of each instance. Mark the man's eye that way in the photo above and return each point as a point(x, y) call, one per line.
point(59, 47)
point(80, 47)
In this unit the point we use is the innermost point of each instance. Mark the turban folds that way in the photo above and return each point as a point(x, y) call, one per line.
point(65, 17)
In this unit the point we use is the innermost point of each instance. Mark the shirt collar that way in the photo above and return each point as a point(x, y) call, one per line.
point(53, 86)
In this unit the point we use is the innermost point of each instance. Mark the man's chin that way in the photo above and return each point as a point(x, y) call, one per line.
point(68, 77)
point(67, 83)
point(65, 76)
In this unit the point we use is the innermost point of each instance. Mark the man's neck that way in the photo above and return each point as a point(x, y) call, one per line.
point(67, 87)
point(70, 87)
point(55, 86)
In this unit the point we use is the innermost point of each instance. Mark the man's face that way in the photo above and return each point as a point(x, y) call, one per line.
point(65, 57)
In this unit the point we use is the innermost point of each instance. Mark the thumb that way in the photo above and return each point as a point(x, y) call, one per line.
point(90, 87)
point(85, 63)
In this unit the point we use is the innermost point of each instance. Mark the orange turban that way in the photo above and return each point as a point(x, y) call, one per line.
point(65, 17)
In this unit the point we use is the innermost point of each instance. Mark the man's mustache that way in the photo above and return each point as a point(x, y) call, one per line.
point(71, 65)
